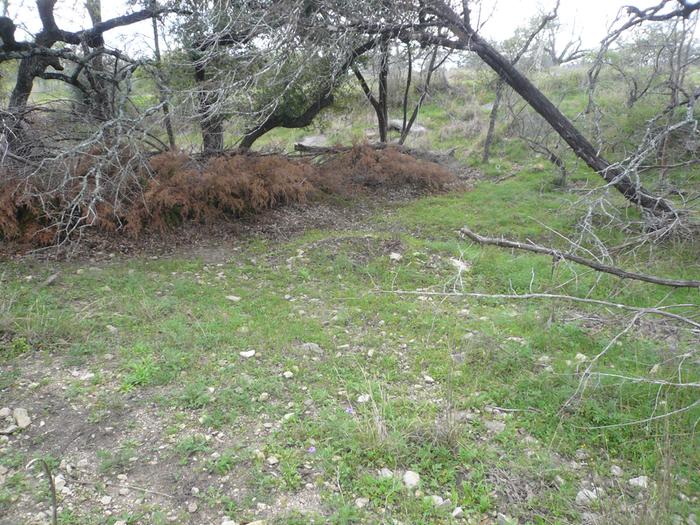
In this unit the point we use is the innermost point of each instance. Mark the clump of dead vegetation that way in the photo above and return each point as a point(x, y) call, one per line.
point(366, 167)
point(169, 189)
point(224, 186)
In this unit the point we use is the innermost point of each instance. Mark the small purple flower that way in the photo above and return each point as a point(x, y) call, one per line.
point(349, 410)
point(311, 450)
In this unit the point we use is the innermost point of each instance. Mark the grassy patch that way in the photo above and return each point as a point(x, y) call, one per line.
point(350, 380)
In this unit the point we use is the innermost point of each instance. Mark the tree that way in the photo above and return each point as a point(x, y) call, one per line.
point(161, 82)
point(571, 51)
point(433, 65)
point(306, 97)
point(278, 63)
point(438, 14)
point(267, 65)
point(379, 103)
point(37, 56)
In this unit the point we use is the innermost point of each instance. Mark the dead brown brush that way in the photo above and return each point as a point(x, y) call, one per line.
point(225, 186)
point(9, 222)
point(366, 167)
point(174, 188)
point(20, 210)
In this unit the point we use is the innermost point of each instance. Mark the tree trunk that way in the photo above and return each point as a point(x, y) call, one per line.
point(321, 100)
point(100, 100)
point(212, 136)
point(379, 104)
point(407, 89)
point(382, 109)
point(500, 86)
point(406, 128)
point(275, 121)
point(382, 124)
point(211, 122)
point(19, 140)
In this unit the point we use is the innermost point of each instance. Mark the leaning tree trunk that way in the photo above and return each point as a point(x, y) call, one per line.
point(277, 121)
point(563, 126)
point(500, 86)
point(492, 121)
point(160, 82)
point(319, 101)
point(382, 108)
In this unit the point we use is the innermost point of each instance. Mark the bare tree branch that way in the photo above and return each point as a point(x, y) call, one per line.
point(623, 274)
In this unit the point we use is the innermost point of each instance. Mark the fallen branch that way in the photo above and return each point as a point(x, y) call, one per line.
point(333, 150)
point(660, 310)
point(436, 157)
point(647, 380)
point(623, 274)
point(646, 420)
point(504, 409)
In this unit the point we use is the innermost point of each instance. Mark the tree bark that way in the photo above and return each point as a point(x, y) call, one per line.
point(500, 86)
point(99, 99)
point(29, 68)
point(382, 124)
point(300, 121)
point(407, 89)
point(321, 100)
point(379, 104)
point(406, 128)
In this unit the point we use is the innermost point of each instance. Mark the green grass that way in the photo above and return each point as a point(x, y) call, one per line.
point(178, 340)
point(119, 459)
point(189, 446)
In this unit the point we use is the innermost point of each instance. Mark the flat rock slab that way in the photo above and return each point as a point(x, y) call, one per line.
point(396, 124)
point(314, 141)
